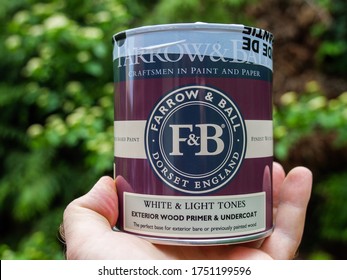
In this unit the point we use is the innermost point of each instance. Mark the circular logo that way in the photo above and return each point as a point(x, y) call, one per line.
point(195, 139)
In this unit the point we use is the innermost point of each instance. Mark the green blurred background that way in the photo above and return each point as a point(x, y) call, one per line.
point(56, 106)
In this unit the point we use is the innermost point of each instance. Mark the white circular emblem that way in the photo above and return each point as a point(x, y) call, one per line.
point(195, 139)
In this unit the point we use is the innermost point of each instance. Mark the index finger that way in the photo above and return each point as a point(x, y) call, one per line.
point(290, 219)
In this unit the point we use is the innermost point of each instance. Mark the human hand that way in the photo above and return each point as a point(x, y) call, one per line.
point(88, 221)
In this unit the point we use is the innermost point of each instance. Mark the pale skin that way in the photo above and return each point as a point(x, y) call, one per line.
point(88, 221)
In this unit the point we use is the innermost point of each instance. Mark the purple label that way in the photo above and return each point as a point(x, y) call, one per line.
point(188, 120)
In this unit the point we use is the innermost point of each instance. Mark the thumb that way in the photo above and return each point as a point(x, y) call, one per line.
point(90, 216)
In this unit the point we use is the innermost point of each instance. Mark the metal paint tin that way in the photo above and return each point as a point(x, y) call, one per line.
point(193, 133)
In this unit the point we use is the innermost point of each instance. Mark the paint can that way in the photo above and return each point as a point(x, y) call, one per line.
point(193, 133)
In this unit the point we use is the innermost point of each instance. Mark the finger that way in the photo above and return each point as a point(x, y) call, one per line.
point(290, 219)
point(278, 175)
point(90, 216)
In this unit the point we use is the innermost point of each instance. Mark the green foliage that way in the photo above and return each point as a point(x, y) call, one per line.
point(40, 244)
point(300, 115)
point(56, 100)
point(333, 214)
point(226, 11)
point(332, 53)
point(303, 115)
point(319, 255)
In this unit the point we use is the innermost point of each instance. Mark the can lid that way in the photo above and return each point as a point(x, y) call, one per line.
point(177, 26)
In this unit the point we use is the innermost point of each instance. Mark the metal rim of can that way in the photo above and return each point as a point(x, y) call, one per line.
point(205, 241)
point(181, 26)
